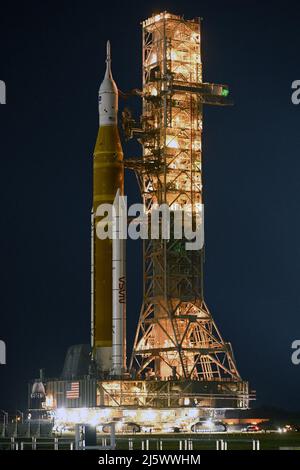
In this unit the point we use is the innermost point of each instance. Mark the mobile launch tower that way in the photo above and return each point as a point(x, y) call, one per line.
point(176, 334)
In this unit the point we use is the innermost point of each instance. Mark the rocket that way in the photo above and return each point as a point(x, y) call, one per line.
point(108, 255)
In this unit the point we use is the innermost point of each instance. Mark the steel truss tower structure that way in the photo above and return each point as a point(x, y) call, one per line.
point(176, 336)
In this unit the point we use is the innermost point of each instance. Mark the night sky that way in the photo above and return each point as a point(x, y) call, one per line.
point(52, 60)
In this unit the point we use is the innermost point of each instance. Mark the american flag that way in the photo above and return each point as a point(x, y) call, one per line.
point(73, 390)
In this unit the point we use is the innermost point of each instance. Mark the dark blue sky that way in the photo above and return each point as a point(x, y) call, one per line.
point(52, 59)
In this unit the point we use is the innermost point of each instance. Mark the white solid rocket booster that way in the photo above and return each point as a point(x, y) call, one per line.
point(119, 290)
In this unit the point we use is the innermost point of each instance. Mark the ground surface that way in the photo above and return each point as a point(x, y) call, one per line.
point(236, 441)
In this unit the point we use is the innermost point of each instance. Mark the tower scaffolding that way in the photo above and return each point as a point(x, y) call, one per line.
point(176, 336)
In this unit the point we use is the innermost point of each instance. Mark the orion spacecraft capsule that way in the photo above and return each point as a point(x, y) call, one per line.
point(108, 255)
